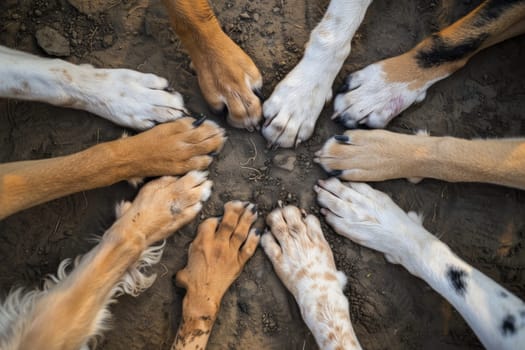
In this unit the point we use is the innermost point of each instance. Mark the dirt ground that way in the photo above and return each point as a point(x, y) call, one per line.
point(390, 309)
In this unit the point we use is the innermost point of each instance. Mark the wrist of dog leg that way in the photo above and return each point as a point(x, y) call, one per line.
point(198, 316)
point(327, 316)
point(197, 305)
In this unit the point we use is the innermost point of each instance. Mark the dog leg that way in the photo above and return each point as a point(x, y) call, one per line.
point(293, 108)
point(169, 149)
point(370, 218)
point(215, 259)
point(396, 156)
point(126, 97)
point(304, 262)
point(227, 76)
point(71, 312)
point(379, 92)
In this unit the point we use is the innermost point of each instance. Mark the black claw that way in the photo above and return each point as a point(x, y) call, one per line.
point(335, 173)
point(198, 122)
point(213, 154)
point(342, 138)
point(169, 89)
point(338, 119)
point(258, 232)
point(259, 94)
point(254, 209)
point(343, 88)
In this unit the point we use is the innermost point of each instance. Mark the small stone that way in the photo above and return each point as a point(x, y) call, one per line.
point(15, 16)
point(107, 41)
point(245, 15)
point(276, 9)
point(52, 42)
point(23, 27)
point(286, 162)
point(256, 17)
point(38, 13)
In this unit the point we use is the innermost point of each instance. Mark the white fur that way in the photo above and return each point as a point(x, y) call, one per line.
point(371, 218)
point(374, 101)
point(16, 309)
point(294, 106)
point(303, 260)
point(126, 97)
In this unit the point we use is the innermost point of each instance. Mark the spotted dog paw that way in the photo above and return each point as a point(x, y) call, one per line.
point(375, 155)
point(165, 205)
point(376, 94)
point(370, 218)
point(304, 262)
point(228, 78)
point(126, 97)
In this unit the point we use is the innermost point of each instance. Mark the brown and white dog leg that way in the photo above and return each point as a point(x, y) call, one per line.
point(227, 76)
point(67, 315)
point(168, 149)
point(377, 155)
point(379, 92)
point(215, 259)
point(126, 97)
point(304, 262)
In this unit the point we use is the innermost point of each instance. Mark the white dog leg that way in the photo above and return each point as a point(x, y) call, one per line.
point(126, 97)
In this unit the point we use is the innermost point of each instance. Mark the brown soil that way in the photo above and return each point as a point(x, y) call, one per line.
point(390, 308)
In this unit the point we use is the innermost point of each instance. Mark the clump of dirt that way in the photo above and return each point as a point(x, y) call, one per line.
point(390, 308)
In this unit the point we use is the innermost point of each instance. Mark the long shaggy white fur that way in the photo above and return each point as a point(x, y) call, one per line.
point(15, 311)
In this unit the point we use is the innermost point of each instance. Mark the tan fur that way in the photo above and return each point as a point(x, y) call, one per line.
point(226, 74)
point(215, 259)
point(168, 149)
point(404, 156)
point(404, 68)
point(73, 310)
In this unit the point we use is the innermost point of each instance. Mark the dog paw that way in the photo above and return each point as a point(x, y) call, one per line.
point(370, 218)
point(229, 79)
point(300, 254)
point(376, 94)
point(375, 155)
point(165, 205)
point(218, 254)
point(172, 148)
point(305, 264)
point(293, 108)
point(129, 98)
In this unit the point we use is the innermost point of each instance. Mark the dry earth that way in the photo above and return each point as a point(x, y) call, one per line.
point(390, 308)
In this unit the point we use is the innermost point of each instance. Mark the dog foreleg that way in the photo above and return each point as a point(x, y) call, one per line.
point(371, 218)
point(126, 97)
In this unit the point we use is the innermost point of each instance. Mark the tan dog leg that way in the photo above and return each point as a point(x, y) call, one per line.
point(215, 259)
point(70, 313)
point(227, 76)
point(379, 155)
point(379, 92)
point(169, 149)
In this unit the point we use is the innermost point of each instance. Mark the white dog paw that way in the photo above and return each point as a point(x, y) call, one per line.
point(373, 97)
point(370, 218)
point(128, 98)
point(293, 108)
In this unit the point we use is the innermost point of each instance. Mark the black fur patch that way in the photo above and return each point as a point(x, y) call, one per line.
point(441, 51)
point(503, 294)
point(457, 278)
point(508, 326)
point(492, 10)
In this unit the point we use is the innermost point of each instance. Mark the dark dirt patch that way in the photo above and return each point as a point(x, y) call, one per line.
point(390, 309)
